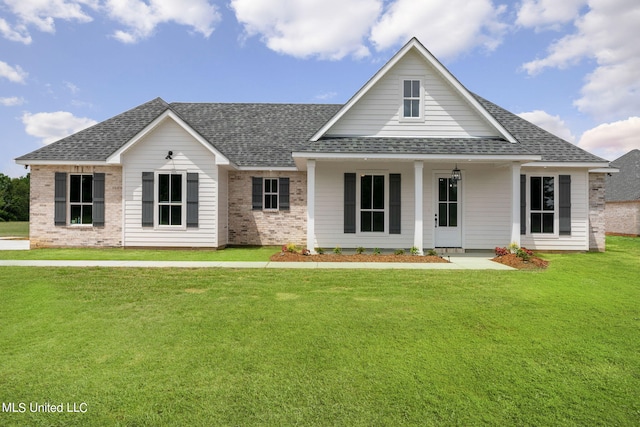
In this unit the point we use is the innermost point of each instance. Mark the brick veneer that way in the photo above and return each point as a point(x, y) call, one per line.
point(597, 221)
point(249, 227)
point(623, 217)
point(43, 232)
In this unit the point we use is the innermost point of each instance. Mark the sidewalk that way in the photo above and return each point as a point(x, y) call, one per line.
point(457, 263)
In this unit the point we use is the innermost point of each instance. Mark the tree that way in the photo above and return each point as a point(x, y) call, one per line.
point(14, 198)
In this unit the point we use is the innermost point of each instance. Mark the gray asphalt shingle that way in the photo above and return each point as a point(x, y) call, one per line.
point(624, 185)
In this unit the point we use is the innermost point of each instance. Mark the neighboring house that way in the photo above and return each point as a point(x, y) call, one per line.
point(622, 211)
point(375, 172)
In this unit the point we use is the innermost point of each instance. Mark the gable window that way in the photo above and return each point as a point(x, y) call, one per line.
point(372, 210)
point(170, 199)
point(411, 99)
point(543, 204)
point(81, 199)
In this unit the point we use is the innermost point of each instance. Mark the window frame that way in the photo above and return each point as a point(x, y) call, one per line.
point(419, 98)
point(271, 193)
point(158, 203)
point(81, 203)
point(384, 210)
point(555, 211)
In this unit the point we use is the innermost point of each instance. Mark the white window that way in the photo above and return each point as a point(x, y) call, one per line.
point(542, 212)
point(411, 99)
point(372, 203)
point(270, 193)
point(171, 199)
point(81, 199)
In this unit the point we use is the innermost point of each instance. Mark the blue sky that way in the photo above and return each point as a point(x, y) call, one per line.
point(571, 66)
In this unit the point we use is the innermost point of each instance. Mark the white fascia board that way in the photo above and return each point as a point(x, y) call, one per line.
point(566, 165)
point(115, 158)
point(392, 156)
point(604, 170)
point(62, 162)
point(268, 168)
point(446, 74)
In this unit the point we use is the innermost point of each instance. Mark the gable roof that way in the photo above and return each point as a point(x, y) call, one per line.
point(624, 185)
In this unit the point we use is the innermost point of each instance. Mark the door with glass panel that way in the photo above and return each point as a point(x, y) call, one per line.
point(447, 212)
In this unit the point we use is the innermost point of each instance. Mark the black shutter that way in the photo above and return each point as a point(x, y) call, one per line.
point(147, 199)
point(98, 199)
point(565, 205)
point(523, 204)
point(192, 200)
point(395, 189)
point(283, 194)
point(256, 193)
point(60, 199)
point(349, 202)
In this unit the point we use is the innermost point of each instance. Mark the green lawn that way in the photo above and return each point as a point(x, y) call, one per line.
point(14, 229)
point(326, 347)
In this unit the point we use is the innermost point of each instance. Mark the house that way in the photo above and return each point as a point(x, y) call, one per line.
point(413, 159)
point(622, 211)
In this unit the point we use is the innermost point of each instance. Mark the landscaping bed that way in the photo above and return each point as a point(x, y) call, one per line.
point(512, 260)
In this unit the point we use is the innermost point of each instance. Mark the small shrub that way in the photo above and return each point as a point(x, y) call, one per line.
point(360, 250)
point(399, 252)
point(337, 250)
point(291, 247)
point(319, 251)
point(306, 252)
point(502, 251)
point(376, 251)
point(513, 247)
point(414, 250)
point(524, 253)
point(432, 252)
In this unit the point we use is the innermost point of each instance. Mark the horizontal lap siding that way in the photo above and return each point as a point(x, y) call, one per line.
point(579, 238)
point(446, 113)
point(148, 155)
point(329, 213)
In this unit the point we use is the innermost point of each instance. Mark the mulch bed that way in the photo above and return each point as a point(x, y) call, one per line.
point(292, 257)
point(512, 260)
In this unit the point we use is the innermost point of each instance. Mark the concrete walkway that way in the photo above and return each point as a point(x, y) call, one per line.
point(13, 244)
point(457, 263)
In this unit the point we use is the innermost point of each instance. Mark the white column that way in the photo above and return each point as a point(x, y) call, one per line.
point(418, 225)
point(515, 203)
point(311, 204)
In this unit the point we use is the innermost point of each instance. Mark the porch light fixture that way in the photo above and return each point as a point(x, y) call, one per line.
point(456, 175)
point(169, 154)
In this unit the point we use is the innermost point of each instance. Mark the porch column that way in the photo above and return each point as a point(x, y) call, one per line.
point(515, 203)
point(311, 204)
point(417, 227)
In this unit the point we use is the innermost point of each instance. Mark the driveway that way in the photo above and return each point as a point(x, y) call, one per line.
point(8, 244)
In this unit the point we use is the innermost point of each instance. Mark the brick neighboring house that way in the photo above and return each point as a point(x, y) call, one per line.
point(413, 159)
point(622, 210)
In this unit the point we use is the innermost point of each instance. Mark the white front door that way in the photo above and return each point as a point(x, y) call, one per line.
point(447, 212)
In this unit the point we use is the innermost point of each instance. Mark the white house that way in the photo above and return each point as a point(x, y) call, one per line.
point(413, 159)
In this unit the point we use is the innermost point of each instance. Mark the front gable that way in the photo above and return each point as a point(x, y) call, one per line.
point(443, 107)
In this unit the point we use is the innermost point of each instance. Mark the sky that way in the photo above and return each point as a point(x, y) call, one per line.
point(570, 66)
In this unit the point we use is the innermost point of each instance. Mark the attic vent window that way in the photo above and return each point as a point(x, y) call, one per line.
point(411, 99)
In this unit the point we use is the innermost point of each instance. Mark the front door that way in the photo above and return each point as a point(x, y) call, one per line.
point(447, 211)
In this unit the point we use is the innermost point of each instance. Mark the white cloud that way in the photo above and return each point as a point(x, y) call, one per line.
point(141, 18)
point(446, 27)
point(328, 29)
point(548, 13)
point(50, 127)
point(43, 13)
point(13, 74)
point(11, 102)
point(553, 124)
point(607, 34)
point(18, 34)
point(326, 96)
point(612, 140)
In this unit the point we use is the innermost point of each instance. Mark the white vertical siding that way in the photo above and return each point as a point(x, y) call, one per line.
point(446, 113)
point(148, 155)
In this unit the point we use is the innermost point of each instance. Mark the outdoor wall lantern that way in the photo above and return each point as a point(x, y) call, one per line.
point(456, 175)
point(169, 154)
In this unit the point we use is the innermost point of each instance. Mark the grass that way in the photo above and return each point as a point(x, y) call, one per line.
point(14, 229)
point(339, 347)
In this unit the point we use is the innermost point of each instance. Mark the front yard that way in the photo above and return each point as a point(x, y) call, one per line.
point(325, 347)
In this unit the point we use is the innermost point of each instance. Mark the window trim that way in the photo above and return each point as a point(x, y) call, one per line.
point(157, 203)
point(556, 203)
point(421, 98)
point(359, 210)
point(69, 203)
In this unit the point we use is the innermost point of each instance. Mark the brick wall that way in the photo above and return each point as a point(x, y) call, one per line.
point(249, 227)
point(597, 221)
point(623, 218)
point(43, 232)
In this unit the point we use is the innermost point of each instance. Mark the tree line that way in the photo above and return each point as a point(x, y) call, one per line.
point(14, 198)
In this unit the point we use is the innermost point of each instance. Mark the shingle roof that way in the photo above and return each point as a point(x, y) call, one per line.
point(624, 185)
point(265, 135)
